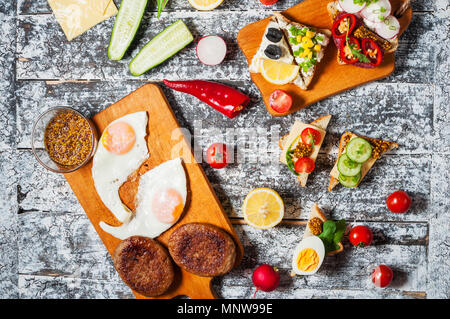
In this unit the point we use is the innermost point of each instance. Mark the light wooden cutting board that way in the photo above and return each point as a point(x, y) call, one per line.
point(330, 78)
point(202, 204)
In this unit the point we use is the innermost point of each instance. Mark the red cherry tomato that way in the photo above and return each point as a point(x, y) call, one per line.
point(268, 2)
point(217, 155)
point(360, 236)
point(382, 276)
point(280, 101)
point(310, 135)
point(304, 165)
point(398, 202)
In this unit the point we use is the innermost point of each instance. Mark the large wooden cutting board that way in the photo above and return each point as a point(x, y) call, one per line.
point(330, 78)
point(163, 135)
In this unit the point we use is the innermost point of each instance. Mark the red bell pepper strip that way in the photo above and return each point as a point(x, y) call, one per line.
point(372, 51)
point(350, 21)
point(221, 97)
point(345, 52)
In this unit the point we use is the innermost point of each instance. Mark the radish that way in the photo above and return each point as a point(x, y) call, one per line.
point(377, 11)
point(351, 7)
point(370, 24)
point(265, 278)
point(389, 28)
point(211, 50)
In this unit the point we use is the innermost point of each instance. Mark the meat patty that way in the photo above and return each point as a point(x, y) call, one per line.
point(144, 265)
point(202, 249)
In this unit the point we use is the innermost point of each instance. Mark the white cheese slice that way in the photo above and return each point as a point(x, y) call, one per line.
point(296, 130)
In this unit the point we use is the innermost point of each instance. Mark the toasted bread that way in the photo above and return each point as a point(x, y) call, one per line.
point(317, 212)
point(321, 122)
point(283, 22)
point(345, 138)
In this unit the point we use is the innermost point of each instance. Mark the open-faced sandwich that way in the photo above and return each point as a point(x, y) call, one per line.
point(356, 156)
point(307, 44)
point(363, 31)
point(289, 52)
point(321, 238)
point(302, 145)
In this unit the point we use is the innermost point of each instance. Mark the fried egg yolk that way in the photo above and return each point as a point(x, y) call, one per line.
point(119, 138)
point(167, 205)
point(307, 260)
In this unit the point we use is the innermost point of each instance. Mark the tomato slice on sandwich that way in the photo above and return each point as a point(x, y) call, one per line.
point(311, 136)
point(304, 165)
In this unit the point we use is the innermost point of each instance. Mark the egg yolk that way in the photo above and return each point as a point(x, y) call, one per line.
point(307, 260)
point(119, 138)
point(167, 205)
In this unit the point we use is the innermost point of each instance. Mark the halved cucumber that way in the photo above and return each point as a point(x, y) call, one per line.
point(359, 150)
point(171, 40)
point(348, 167)
point(125, 27)
point(349, 181)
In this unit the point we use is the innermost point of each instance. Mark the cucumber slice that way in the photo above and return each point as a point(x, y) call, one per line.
point(349, 181)
point(171, 40)
point(125, 27)
point(348, 167)
point(359, 150)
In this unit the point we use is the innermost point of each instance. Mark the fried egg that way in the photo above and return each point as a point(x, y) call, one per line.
point(121, 150)
point(308, 256)
point(160, 201)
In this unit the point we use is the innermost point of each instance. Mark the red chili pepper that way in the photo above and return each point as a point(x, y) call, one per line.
point(351, 18)
point(221, 97)
point(343, 51)
point(369, 44)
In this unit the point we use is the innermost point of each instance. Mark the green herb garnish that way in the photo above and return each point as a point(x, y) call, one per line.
point(161, 5)
point(332, 234)
point(289, 161)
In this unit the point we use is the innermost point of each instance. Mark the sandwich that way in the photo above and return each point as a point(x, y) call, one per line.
point(301, 147)
point(274, 47)
point(364, 37)
point(314, 227)
point(357, 154)
point(307, 44)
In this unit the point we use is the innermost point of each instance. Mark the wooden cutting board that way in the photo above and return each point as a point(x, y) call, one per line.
point(202, 204)
point(330, 78)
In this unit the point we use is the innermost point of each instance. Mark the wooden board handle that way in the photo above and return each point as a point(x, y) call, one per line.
point(400, 11)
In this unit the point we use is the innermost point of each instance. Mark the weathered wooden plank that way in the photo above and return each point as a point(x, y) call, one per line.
point(65, 245)
point(7, 7)
point(85, 57)
point(438, 281)
point(441, 118)
point(7, 85)
point(41, 6)
point(398, 112)
point(9, 268)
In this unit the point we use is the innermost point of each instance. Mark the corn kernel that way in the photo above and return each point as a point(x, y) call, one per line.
point(299, 38)
point(305, 39)
point(310, 55)
point(310, 34)
point(317, 47)
point(309, 44)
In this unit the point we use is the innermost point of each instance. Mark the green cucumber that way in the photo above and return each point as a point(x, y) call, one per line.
point(125, 27)
point(349, 181)
point(171, 40)
point(359, 150)
point(348, 167)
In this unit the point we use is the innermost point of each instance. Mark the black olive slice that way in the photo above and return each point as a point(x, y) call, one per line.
point(273, 52)
point(274, 35)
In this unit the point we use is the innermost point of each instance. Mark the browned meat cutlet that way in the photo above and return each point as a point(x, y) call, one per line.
point(202, 249)
point(144, 265)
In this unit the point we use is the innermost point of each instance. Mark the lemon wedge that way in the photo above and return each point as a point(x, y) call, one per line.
point(278, 72)
point(263, 208)
point(205, 5)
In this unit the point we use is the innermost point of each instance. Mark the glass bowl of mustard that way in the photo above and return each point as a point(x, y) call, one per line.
point(63, 140)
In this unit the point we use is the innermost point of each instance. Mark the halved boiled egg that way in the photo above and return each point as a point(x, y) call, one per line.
point(308, 256)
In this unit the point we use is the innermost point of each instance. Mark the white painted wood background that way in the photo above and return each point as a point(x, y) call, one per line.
point(49, 249)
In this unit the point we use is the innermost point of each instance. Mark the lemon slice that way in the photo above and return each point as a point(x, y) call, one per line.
point(278, 72)
point(205, 5)
point(263, 208)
